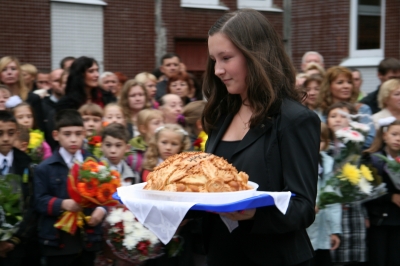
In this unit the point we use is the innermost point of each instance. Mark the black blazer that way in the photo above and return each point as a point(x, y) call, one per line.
point(280, 155)
point(35, 102)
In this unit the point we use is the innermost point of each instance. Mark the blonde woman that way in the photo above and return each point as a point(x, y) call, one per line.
point(388, 101)
point(29, 73)
point(11, 75)
point(133, 99)
point(150, 82)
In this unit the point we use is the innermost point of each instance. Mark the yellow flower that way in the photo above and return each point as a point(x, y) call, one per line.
point(351, 173)
point(366, 173)
point(35, 139)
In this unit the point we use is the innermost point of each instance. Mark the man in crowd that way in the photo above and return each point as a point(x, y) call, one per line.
point(311, 57)
point(66, 62)
point(170, 65)
point(388, 68)
point(43, 81)
point(108, 81)
point(357, 81)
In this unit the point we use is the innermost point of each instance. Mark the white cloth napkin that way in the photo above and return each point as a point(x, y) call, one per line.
point(163, 217)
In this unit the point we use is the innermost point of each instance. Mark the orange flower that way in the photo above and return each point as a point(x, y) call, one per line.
point(88, 189)
point(114, 173)
point(90, 165)
point(105, 191)
point(116, 182)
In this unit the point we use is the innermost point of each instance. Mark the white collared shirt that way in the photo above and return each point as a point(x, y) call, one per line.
point(9, 157)
point(117, 167)
point(53, 98)
point(68, 157)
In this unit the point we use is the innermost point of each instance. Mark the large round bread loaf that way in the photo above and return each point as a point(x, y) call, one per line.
point(196, 172)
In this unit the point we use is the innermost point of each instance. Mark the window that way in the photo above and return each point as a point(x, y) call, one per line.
point(206, 4)
point(86, 2)
point(76, 30)
point(262, 5)
point(367, 28)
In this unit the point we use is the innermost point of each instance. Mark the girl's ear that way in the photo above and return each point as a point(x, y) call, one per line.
point(199, 126)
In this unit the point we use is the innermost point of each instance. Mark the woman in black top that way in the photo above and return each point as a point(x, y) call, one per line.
point(256, 122)
point(83, 86)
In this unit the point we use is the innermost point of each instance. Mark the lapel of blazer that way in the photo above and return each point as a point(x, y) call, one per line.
point(253, 135)
point(216, 135)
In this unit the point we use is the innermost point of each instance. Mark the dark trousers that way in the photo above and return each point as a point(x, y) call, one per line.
point(383, 245)
point(322, 258)
point(85, 258)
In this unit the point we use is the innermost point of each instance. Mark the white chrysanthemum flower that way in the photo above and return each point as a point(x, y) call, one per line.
point(365, 186)
point(115, 216)
point(130, 242)
point(127, 216)
point(128, 229)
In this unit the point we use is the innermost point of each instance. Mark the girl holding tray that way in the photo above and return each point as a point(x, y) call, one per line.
point(254, 120)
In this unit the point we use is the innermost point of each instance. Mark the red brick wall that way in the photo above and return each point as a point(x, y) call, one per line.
point(321, 26)
point(129, 36)
point(25, 31)
point(392, 30)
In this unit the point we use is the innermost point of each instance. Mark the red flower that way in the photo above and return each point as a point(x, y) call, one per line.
point(197, 142)
point(94, 140)
point(398, 159)
point(143, 247)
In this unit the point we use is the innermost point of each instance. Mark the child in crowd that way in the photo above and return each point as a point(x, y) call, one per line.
point(20, 249)
point(52, 199)
point(5, 94)
point(113, 113)
point(324, 231)
point(22, 140)
point(384, 212)
point(24, 115)
point(168, 140)
point(192, 113)
point(114, 146)
point(352, 247)
point(148, 121)
point(171, 105)
point(134, 98)
point(92, 115)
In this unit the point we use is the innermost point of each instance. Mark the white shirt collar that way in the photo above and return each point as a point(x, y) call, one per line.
point(117, 167)
point(68, 156)
point(9, 157)
point(53, 98)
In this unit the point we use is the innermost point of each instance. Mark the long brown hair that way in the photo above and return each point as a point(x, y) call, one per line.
point(271, 75)
point(23, 89)
point(124, 99)
point(378, 141)
point(325, 95)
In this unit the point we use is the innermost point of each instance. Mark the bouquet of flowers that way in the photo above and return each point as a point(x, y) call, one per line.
point(351, 181)
point(392, 167)
point(200, 143)
point(94, 145)
point(35, 146)
point(128, 239)
point(90, 185)
point(10, 205)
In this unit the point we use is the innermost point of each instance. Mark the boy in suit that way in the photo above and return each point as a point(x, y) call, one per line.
point(13, 161)
point(52, 199)
point(114, 146)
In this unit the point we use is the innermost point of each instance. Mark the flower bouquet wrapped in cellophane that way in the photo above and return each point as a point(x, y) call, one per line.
point(350, 180)
point(10, 205)
point(90, 185)
point(128, 239)
point(392, 168)
point(35, 146)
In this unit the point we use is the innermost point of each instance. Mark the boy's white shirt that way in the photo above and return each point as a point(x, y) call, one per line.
point(67, 157)
point(9, 157)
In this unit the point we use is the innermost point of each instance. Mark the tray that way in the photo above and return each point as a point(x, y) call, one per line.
point(262, 200)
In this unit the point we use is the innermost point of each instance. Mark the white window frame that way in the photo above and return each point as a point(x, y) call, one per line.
point(203, 4)
point(261, 5)
point(84, 2)
point(354, 52)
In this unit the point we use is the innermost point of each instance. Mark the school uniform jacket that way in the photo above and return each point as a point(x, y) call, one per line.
point(50, 191)
point(281, 154)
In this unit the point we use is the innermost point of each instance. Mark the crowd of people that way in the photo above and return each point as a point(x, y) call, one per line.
point(146, 119)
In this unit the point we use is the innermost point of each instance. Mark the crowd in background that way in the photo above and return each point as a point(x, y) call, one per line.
point(159, 115)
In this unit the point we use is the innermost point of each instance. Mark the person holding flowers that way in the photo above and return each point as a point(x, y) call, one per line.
point(38, 149)
point(53, 199)
point(19, 248)
point(384, 212)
